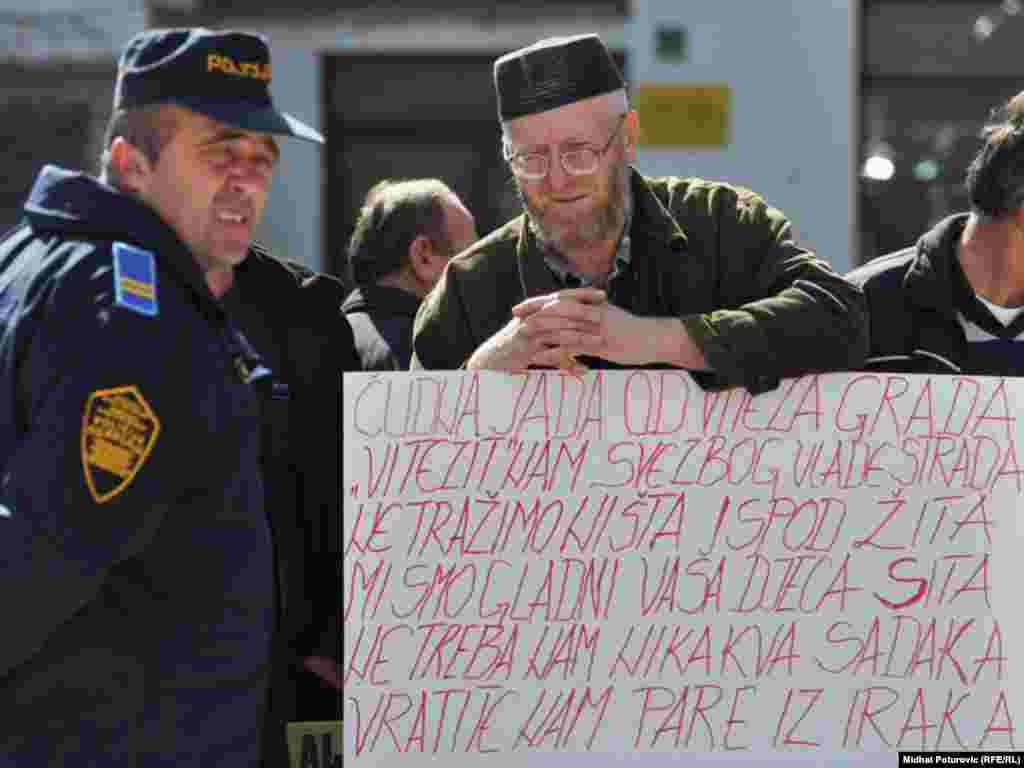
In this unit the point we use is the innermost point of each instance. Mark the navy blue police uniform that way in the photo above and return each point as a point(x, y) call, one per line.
point(137, 596)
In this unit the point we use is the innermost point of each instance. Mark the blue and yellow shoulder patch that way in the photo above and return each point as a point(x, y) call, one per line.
point(135, 279)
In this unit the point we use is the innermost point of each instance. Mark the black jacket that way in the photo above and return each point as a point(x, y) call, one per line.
point(301, 460)
point(382, 319)
point(912, 299)
point(135, 554)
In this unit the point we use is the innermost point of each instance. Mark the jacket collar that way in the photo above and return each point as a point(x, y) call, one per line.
point(310, 299)
point(651, 220)
point(931, 283)
point(78, 205)
point(268, 274)
point(394, 301)
point(933, 275)
point(536, 279)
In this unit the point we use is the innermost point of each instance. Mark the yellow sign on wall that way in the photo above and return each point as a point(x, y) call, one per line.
point(684, 115)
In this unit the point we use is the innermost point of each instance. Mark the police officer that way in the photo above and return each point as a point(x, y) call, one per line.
point(137, 598)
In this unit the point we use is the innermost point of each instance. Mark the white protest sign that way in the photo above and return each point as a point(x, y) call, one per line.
point(542, 565)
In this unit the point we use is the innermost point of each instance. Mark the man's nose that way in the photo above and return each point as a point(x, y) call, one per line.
point(557, 178)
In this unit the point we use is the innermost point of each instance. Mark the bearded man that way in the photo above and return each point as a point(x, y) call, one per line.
point(609, 268)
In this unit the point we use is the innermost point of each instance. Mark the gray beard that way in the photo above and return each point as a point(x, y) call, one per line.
point(599, 225)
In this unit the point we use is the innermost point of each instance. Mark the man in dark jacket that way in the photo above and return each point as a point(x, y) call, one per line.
point(137, 555)
point(954, 302)
point(406, 233)
point(622, 269)
point(293, 318)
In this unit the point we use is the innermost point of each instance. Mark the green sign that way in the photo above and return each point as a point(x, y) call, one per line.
point(670, 42)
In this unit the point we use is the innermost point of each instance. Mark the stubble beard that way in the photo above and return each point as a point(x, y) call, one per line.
point(598, 225)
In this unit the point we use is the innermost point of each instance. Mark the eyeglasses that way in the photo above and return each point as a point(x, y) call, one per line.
point(579, 161)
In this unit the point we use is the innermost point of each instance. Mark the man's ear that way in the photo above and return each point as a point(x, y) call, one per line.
point(132, 167)
point(1018, 217)
point(422, 257)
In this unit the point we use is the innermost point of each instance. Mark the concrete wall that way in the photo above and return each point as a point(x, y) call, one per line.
point(792, 71)
point(293, 223)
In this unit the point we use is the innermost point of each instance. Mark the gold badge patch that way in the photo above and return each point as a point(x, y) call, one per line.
point(119, 430)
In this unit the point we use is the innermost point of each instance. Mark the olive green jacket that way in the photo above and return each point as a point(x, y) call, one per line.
point(715, 255)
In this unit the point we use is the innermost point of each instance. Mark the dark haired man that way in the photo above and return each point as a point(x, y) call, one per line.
point(138, 455)
point(954, 302)
point(405, 234)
